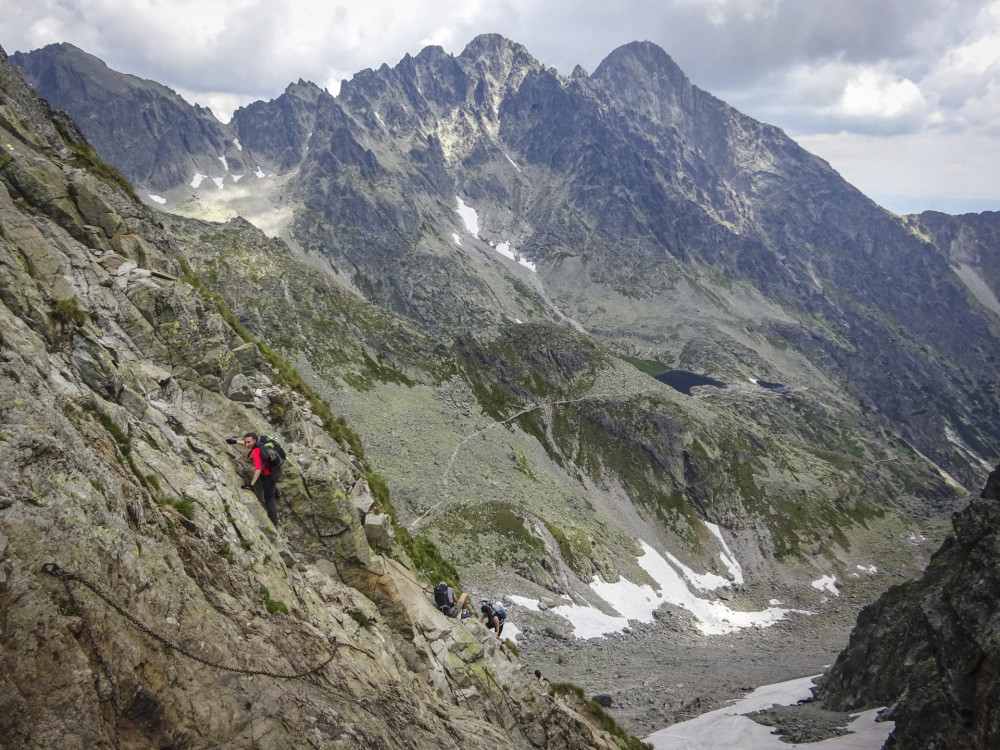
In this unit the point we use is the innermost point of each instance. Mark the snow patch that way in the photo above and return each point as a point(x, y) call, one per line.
point(458, 240)
point(236, 142)
point(225, 163)
point(237, 177)
point(198, 177)
point(589, 622)
point(259, 172)
point(729, 729)
point(218, 182)
point(507, 251)
point(469, 217)
point(157, 198)
point(634, 602)
point(379, 119)
point(504, 249)
point(523, 601)
point(703, 581)
point(826, 583)
point(774, 602)
point(511, 161)
point(868, 569)
point(727, 557)
point(510, 632)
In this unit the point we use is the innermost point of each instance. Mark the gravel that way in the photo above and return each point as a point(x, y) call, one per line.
point(667, 672)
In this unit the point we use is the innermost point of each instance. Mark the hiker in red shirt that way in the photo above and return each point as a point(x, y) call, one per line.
point(264, 473)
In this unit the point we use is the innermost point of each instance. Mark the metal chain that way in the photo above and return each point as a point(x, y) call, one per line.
point(54, 570)
point(104, 665)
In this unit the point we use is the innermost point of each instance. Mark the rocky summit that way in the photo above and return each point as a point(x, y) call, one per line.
point(599, 345)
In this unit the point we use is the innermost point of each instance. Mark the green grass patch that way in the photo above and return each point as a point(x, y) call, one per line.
point(492, 518)
point(649, 366)
point(69, 313)
point(362, 619)
point(183, 506)
point(575, 548)
point(270, 604)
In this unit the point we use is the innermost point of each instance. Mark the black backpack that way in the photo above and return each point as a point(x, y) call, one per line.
point(271, 450)
point(441, 597)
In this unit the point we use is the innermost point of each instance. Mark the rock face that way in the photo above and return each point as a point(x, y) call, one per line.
point(928, 649)
point(158, 140)
point(183, 619)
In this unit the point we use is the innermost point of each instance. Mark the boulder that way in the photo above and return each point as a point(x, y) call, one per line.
point(378, 531)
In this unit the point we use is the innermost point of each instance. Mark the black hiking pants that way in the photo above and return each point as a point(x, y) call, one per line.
point(270, 485)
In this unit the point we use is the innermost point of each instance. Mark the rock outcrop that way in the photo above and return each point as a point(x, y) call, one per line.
point(145, 601)
point(928, 649)
point(158, 140)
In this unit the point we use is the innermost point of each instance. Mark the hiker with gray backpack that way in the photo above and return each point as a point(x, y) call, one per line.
point(268, 457)
point(447, 603)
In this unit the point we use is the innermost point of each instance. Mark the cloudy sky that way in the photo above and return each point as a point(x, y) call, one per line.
point(901, 96)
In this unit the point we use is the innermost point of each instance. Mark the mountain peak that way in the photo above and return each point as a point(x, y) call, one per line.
point(492, 46)
point(645, 78)
point(641, 60)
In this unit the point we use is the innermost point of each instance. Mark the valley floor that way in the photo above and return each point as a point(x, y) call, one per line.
point(660, 674)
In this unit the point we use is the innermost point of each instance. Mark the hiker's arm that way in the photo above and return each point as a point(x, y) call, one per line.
point(255, 455)
point(496, 625)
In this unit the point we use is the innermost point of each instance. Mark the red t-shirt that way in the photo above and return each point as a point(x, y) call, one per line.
point(255, 455)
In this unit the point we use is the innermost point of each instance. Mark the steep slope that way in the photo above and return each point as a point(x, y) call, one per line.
point(145, 601)
point(971, 243)
point(928, 649)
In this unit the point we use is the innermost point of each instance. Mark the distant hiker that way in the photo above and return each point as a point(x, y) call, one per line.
point(541, 680)
point(444, 599)
point(267, 456)
point(494, 615)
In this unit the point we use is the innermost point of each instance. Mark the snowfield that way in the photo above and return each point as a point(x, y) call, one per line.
point(729, 729)
point(675, 584)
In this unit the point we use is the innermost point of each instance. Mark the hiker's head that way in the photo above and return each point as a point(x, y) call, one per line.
point(485, 609)
point(250, 439)
point(538, 673)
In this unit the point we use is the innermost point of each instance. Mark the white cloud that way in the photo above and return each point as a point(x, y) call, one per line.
point(914, 164)
point(879, 94)
point(893, 67)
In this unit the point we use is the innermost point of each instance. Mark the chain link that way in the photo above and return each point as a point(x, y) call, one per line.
point(104, 665)
point(65, 576)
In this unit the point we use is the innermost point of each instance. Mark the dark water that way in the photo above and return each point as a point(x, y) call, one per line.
point(776, 387)
point(684, 381)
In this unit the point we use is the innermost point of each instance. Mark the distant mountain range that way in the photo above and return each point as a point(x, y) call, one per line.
point(915, 204)
point(543, 239)
point(563, 317)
